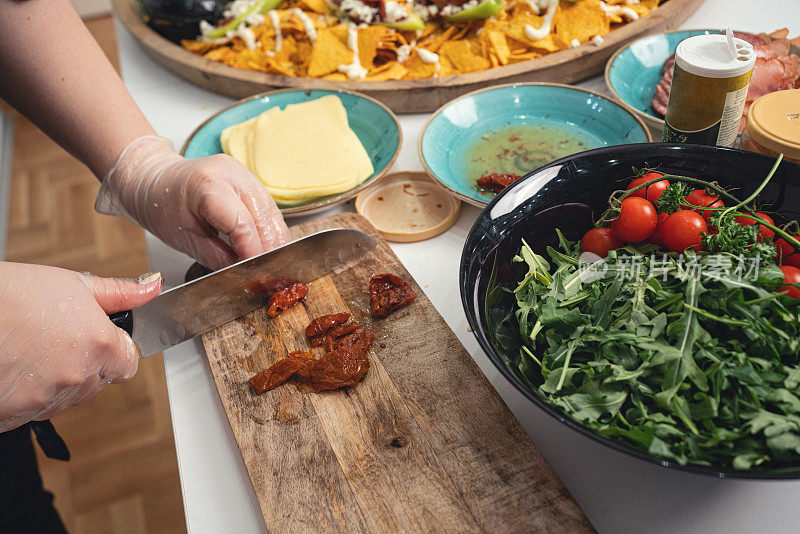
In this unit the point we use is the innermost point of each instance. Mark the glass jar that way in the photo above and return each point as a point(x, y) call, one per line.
point(773, 125)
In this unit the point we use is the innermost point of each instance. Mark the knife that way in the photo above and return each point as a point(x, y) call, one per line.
point(222, 296)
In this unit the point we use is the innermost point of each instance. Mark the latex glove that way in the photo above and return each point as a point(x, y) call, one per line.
point(57, 346)
point(188, 203)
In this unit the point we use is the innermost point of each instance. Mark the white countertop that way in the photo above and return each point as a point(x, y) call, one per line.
point(617, 493)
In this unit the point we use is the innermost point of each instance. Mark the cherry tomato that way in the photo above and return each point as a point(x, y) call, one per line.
point(763, 231)
point(792, 276)
point(600, 241)
point(787, 252)
point(653, 191)
point(657, 237)
point(699, 197)
point(636, 221)
point(683, 229)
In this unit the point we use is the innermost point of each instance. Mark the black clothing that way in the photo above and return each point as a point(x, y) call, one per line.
point(25, 506)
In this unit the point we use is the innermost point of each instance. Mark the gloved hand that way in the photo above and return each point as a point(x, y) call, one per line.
point(58, 347)
point(189, 202)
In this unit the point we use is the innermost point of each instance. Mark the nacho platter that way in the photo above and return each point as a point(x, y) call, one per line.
point(403, 96)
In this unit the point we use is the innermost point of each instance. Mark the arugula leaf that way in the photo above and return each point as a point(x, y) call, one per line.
point(695, 367)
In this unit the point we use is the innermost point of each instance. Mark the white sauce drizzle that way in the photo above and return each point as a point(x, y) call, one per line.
point(625, 11)
point(534, 34)
point(574, 43)
point(308, 25)
point(597, 40)
point(353, 70)
point(403, 53)
point(276, 25)
point(246, 35)
point(538, 5)
point(428, 57)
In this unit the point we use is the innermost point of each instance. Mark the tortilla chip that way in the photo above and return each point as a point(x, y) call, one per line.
point(463, 58)
point(340, 31)
point(434, 42)
point(317, 6)
point(368, 39)
point(418, 68)
point(302, 54)
point(430, 28)
point(389, 71)
point(515, 28)
point(328, 53)
point(287, 51)
point(581, 20)
point(462, 47)
point(524, 56)
point(197, 46)
point(219, 54)
point(446, 67)
point(499, 45)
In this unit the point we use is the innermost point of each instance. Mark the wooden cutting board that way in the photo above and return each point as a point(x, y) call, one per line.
point(422, 444)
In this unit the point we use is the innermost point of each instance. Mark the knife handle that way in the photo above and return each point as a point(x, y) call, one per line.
point(124, 320)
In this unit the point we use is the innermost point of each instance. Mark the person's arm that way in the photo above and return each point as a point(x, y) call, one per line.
point(55, 74)
point(53, 71)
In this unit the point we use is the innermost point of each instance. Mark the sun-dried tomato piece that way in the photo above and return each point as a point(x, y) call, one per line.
point(497, 181)
point(328, 338)
point(266, 288)
point(343, 367)
point(387, 293)
point(281, 371)
point(322, 324)
point(360, 341)
point(286, 298)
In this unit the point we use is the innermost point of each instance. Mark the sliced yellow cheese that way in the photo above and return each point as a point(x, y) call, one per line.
point(304, 151)
point(234, 141)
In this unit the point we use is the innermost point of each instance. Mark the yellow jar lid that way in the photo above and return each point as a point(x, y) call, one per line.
point(774, 122)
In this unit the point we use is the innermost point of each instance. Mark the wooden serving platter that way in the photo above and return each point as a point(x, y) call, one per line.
point(422, 444)
point(403, 96)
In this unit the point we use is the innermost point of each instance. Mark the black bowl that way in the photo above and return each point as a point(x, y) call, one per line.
point(567, 194)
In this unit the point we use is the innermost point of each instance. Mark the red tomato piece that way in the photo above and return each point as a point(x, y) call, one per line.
point(657, 237)
point(788, 254)
point(653, 191)
point(636, 221)
point(683, 229)
point(763, 231)
point(701, 199)
point(497, 181)
point(600, 241)
point(791, 275)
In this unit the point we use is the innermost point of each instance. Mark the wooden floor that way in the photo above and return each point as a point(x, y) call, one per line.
point(123, 476)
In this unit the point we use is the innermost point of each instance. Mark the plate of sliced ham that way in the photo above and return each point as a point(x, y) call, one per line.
point(639, 75)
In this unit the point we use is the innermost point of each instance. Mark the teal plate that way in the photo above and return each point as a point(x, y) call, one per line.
point(374, 124)
point(633, 71)
point(447, 145)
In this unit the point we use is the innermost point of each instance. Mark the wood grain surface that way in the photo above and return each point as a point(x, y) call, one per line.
point(403, 96)
point(422, 444)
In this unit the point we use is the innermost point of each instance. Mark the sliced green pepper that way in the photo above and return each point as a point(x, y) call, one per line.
point(411, 23)
point(262, 6)
point(484, 10)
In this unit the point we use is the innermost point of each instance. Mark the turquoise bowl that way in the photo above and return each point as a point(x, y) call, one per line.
point(457, 126)
point(374, 124)
point(633, 71)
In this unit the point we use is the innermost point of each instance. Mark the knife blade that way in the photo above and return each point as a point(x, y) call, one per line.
point(217, 298)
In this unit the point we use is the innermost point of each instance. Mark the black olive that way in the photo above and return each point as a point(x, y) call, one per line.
point(180, 19)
